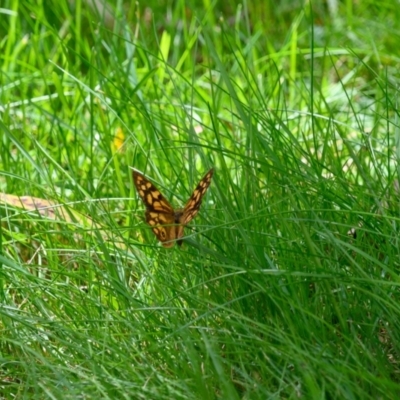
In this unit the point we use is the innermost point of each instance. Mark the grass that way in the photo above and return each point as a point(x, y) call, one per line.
point(269, 296)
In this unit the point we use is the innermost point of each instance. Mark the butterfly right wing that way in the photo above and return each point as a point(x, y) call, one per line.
point(192, 207)
point(159, 213)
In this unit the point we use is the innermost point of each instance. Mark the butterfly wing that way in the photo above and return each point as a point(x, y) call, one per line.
point(159, 213)
point(150, 195)
point(192, 207)
point(163, 226)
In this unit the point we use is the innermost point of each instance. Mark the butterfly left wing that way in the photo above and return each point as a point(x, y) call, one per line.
point(150, 195)
point(159, 213)
point(163, 226)
point(192, 207)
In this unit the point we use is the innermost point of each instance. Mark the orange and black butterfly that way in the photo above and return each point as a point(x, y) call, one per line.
point(167, 223)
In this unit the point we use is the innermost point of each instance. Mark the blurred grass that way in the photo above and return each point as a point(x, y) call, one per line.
point(269, 297)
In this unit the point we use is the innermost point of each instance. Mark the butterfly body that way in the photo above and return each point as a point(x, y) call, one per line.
point(168, 224)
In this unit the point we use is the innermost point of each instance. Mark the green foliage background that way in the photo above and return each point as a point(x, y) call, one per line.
point(287, 285)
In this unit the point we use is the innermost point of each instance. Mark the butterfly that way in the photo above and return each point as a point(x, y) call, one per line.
point(167, 223)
